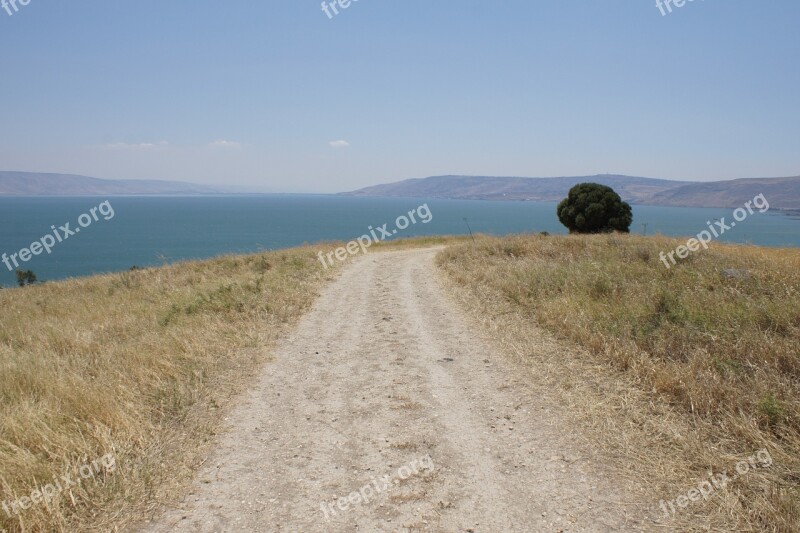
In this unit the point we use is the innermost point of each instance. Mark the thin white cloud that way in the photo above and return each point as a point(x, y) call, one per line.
point(225, 144)
point(339, 144)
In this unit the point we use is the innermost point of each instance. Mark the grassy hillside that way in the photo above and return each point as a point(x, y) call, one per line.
point(137, 367)
point(703, 365)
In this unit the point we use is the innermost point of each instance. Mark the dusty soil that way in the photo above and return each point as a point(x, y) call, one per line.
point(386, 376)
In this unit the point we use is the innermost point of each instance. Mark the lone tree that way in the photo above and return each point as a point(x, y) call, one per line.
point(594, 208)
point(25, 277)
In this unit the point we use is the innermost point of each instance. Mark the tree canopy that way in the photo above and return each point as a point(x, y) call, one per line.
point(594, 208)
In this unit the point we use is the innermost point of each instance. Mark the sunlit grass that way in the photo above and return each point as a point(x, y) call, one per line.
point(138, 365)
point(721, 348)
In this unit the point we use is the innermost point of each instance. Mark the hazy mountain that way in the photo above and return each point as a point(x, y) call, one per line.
point(37, 184)
point(781, 192)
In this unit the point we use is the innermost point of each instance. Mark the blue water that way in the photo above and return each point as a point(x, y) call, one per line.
point(147, 231)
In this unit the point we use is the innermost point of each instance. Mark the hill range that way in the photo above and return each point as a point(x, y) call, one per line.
point(39, 184)
point(782, 193)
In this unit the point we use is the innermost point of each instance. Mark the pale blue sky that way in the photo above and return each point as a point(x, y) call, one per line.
point(253, 93)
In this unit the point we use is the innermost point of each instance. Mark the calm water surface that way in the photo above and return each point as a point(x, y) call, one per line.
point(147, 231)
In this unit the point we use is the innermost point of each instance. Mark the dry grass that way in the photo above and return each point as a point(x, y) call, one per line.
point(420, 242)
point(677, 372)
point(680, 372)
point(140, 365)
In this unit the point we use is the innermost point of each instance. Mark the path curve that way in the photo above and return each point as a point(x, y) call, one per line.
point(386, 376)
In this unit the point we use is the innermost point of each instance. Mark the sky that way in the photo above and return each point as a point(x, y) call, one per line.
point(278, 96)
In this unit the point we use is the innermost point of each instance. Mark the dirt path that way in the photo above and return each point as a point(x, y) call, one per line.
point(387, 377)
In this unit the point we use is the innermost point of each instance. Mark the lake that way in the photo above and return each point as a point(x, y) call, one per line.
point(147, 231)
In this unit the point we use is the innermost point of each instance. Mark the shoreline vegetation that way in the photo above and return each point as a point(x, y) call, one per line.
point(675, 373)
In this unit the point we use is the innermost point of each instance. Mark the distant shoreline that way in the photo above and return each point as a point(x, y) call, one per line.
point(790, 212)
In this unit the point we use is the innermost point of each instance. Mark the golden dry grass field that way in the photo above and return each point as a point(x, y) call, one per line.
point(678, 373)
point(684, 371)
point(138, 365)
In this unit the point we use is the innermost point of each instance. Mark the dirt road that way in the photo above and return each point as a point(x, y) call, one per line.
point(385, 410)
